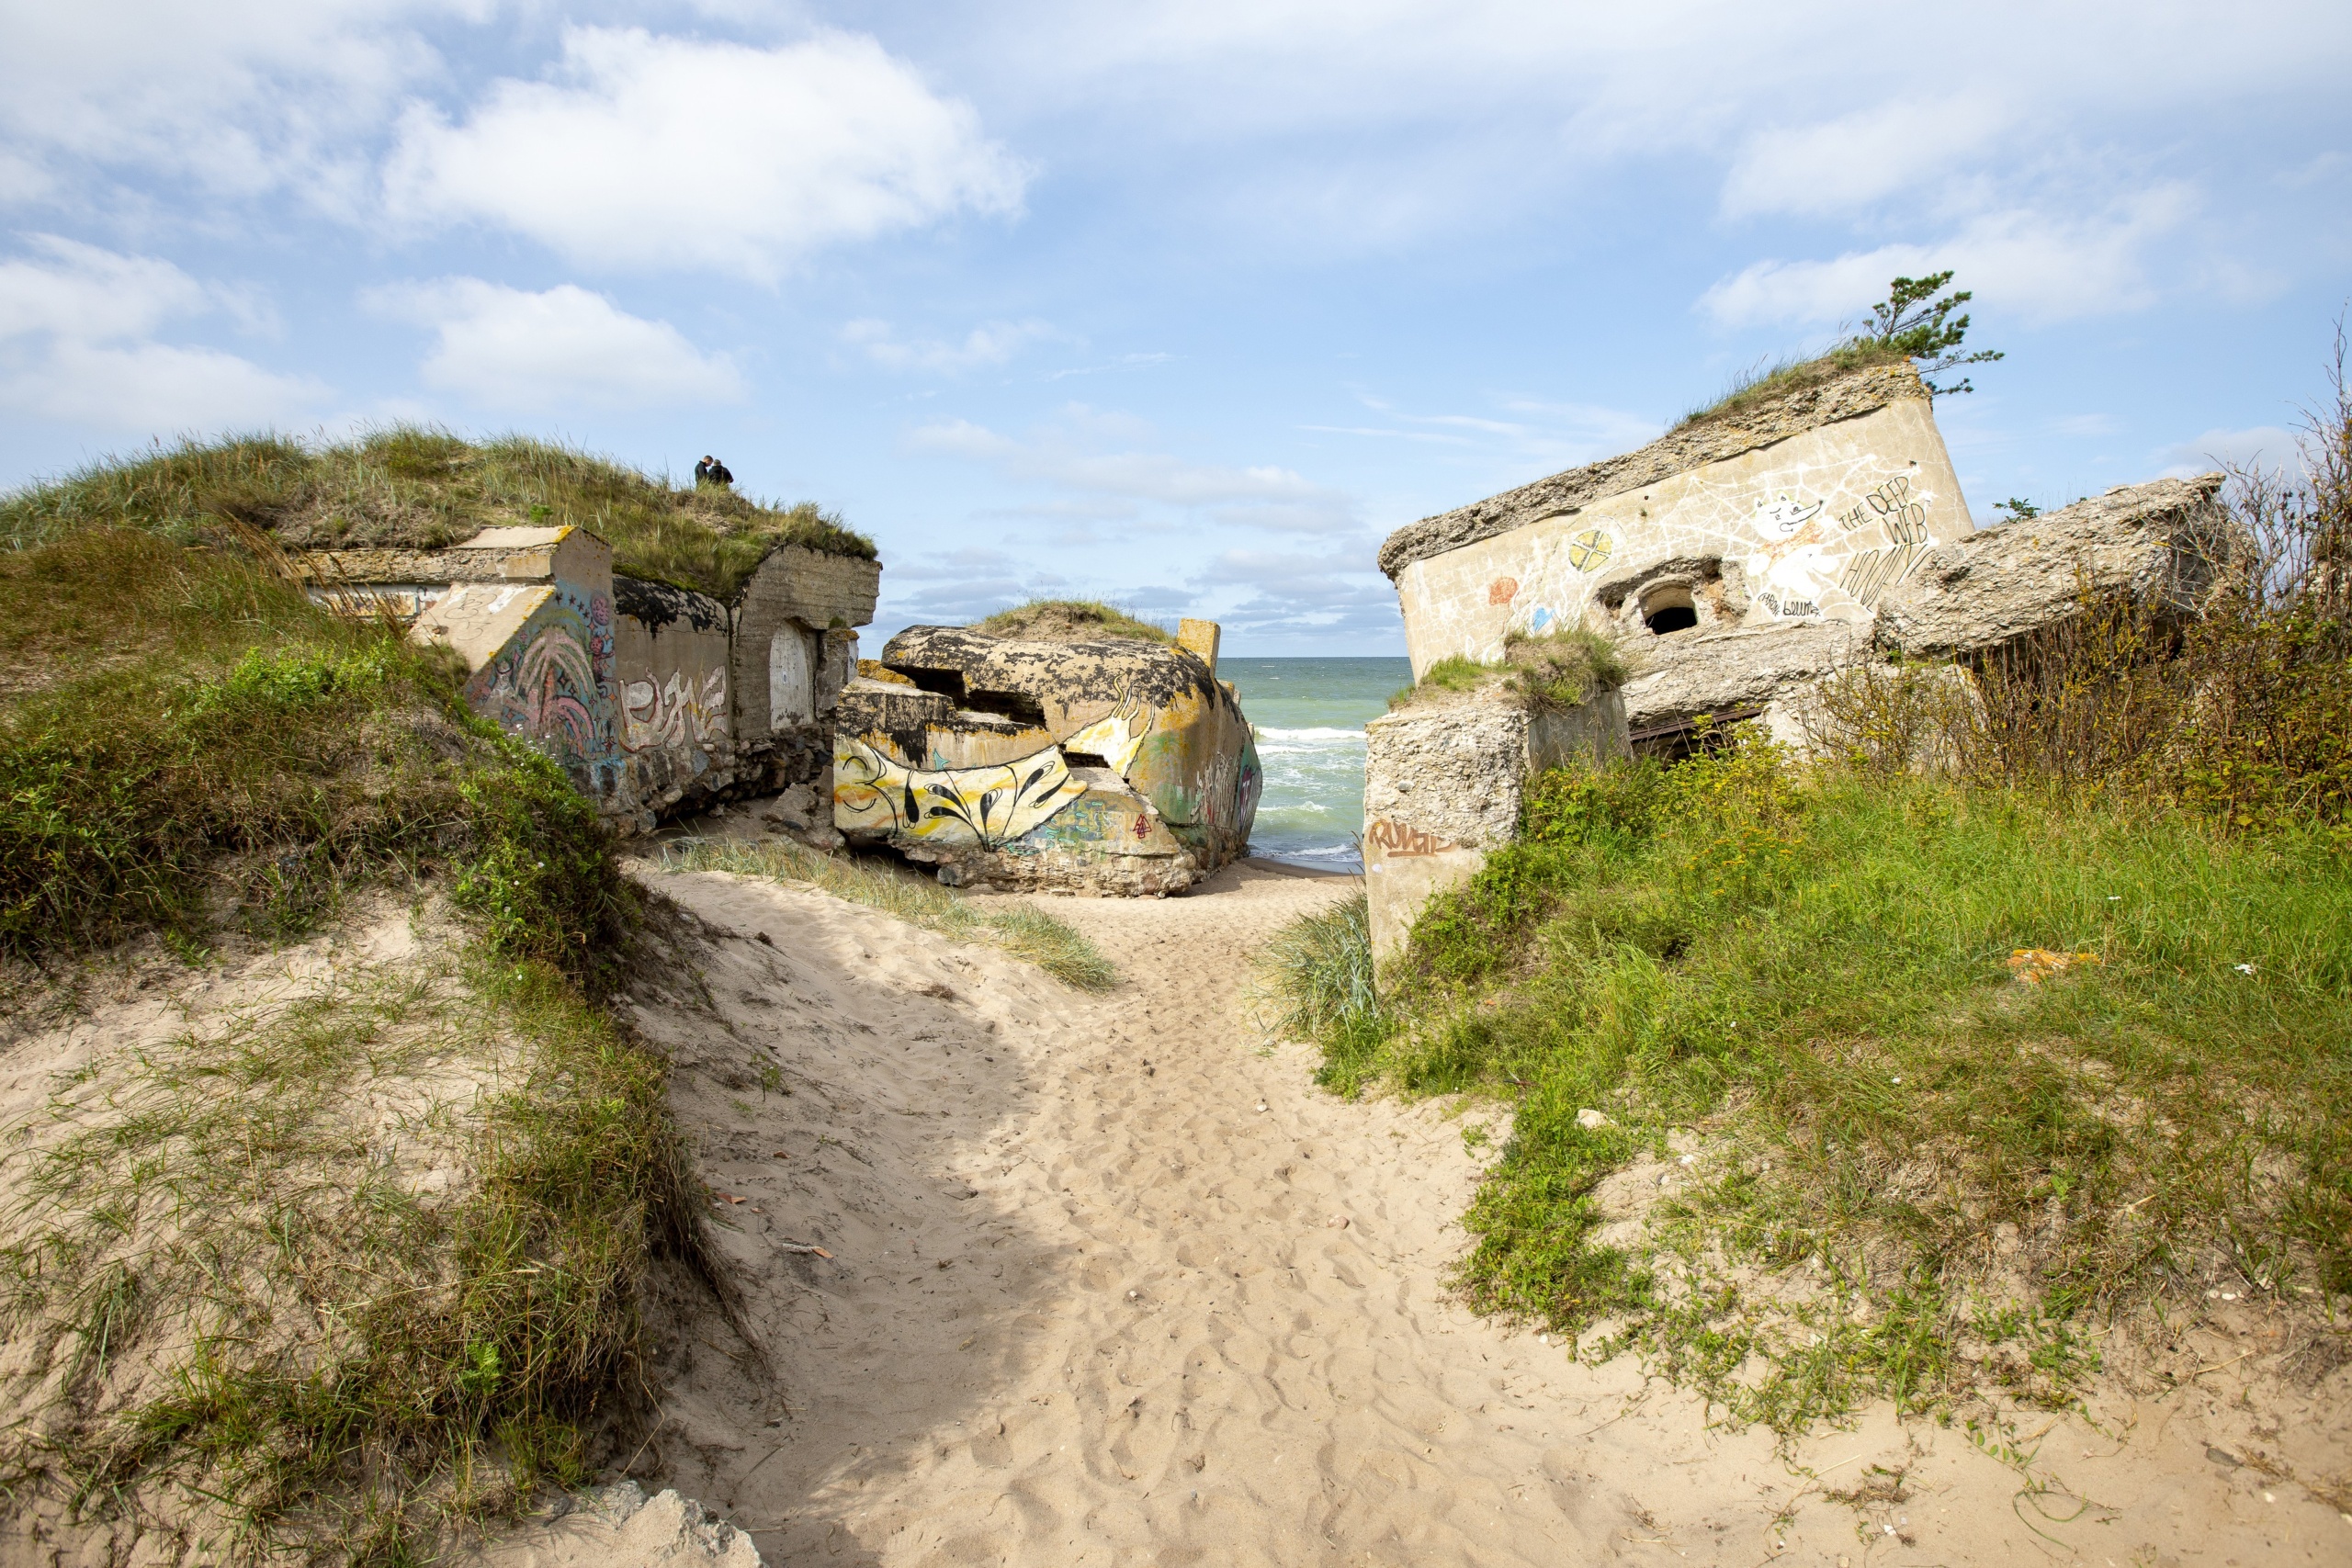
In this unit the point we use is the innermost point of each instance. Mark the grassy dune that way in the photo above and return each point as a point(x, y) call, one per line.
point(420, 489)
point(228, 1298)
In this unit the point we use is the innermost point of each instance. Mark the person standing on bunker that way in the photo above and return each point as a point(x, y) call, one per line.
point(721, 474)
point(702, 469)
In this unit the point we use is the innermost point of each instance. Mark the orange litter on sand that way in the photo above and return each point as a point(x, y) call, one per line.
point(2035, 965)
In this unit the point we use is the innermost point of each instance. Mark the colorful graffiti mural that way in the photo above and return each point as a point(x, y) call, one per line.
point(1140, 786)
point(987, 807)
point(553, 684)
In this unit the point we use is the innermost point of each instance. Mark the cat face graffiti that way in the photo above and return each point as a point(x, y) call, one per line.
point(1783, 515)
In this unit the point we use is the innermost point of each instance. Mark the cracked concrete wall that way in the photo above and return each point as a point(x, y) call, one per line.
point(1808, 510)
point(1444, 785)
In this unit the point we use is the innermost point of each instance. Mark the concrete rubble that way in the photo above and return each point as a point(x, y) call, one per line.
point(2165, 543)
point(1443, 784)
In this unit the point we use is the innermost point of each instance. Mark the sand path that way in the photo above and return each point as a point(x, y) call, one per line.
point(1090, 1300)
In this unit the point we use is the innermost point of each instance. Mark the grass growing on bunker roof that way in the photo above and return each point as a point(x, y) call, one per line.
point(1025, 931)
point(1070, 620)
point(1551, 672)
point(1769, 380)
point(412, 487)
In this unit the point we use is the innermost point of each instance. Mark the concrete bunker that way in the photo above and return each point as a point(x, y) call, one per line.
point(1099, 766)
point(652, 696)
point(1739, 562)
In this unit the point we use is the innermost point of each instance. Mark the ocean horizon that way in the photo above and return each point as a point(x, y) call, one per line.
point(1309, 715)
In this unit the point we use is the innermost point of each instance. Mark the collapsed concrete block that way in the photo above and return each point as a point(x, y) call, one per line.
point(1733, 675)
point(1113, 766)
point(2165, 543)
point(1444, 785)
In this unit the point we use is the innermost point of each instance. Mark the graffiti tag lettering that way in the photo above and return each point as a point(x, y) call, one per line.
point(1396, 840)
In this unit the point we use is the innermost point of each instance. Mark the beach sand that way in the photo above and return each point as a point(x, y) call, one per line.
point(1111, 1281)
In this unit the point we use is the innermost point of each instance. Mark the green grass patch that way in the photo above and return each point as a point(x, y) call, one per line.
point(421, 489)
point(188, 743)
point(1921, 1176)
point(1560, 670)
point(1025, 931)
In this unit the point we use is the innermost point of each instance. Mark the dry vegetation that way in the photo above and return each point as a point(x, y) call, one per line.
point(1070, 620)
point(1768, 382)
point(419, 489)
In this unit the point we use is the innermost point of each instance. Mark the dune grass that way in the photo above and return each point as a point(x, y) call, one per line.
point(222, 1294)
point(1070, 620)
point(1925, 1175)
point(1022, 930)
point(231, 1295)
point(423, 489)
point(188, 743)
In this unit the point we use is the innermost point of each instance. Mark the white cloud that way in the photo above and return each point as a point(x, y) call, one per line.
point(991, 343)
point(242, 95)
point(1067, 455)
point(653, 152)
point(2263, 445)
point(77, 344)
point(2042, 266)
point(564, 347)
point(1858, 159)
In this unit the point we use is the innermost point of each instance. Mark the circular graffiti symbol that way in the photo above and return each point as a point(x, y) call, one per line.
point(1502, 591)
point(1589, 551)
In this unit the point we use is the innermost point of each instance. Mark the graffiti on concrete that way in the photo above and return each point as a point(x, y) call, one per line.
point(1793, 566)
point(1397, 841)
point(680, 712)
point(987, 807)
point(553, 682)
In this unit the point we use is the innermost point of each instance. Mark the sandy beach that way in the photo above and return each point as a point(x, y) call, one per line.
point(1110, 1280)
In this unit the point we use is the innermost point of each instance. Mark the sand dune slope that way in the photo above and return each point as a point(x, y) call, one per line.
point(1110, 1281)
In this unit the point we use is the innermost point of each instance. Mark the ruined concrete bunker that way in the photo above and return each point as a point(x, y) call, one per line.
point(1108, 766)
point(652, 697)
point(1738, 561)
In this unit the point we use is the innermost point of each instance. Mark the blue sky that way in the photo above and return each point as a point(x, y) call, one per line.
point(1185, 306)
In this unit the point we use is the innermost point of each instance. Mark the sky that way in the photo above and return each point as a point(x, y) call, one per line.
point(1181, 306)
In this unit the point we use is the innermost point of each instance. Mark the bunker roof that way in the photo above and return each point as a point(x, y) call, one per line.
point(1738, 425)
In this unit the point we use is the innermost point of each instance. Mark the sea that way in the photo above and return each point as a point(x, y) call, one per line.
point(1309, 714)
